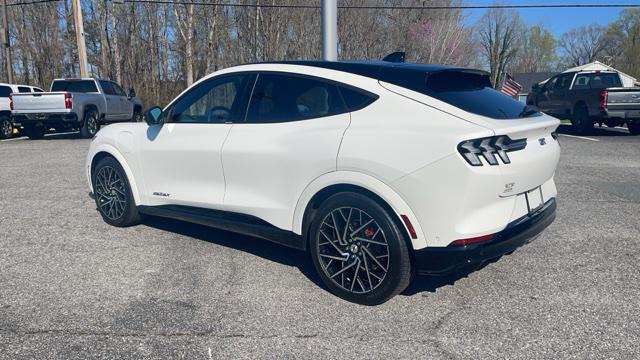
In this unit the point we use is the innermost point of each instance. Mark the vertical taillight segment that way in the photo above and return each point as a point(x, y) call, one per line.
point(604, 96)
point(11, 102)
point(67, 101)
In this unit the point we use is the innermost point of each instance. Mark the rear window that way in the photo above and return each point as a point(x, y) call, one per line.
point(79, 86)
point(472, 91)
point(5, 91)
point(597, 81)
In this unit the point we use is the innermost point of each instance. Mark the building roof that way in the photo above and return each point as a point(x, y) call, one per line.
point(527, 80)
point(597, 65)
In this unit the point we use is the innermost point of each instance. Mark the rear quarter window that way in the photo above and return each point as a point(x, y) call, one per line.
point(24, 89)
point(472, 91)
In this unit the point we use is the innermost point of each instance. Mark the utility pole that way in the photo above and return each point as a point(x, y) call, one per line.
point(79, 27)
point(6, 41)
point(330, 30)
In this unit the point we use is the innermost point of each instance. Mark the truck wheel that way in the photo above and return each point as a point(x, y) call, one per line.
point(137, 116)
point(6, 127)
point(358, 250)
point(90, 125)
point(35, 132)
point(634, 129)
point(581, 122)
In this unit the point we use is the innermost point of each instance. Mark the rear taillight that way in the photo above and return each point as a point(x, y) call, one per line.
point(471, 150)
point(474, 240)
point(67, 101)
point(604, 96)
point(10, 102)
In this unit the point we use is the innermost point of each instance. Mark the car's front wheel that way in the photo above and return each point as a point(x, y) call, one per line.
point(113, 195)
point(358, 250)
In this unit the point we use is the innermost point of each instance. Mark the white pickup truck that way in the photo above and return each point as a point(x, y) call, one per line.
point(6, 126)
point(74, 104)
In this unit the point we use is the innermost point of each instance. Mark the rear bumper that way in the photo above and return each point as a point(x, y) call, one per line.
point(45, 119)
point(440, 261)
point(624, 114)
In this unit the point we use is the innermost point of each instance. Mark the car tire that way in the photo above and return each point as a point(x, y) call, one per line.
point(6, 127)
point(634, 129)
point(137, 116)
point(367, 261)
point(90, 124)
point(112, 193)
point(35, 132)
point(580, 121)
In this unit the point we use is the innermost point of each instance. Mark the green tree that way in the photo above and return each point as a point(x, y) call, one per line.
point(537, 51)
point(624, 42)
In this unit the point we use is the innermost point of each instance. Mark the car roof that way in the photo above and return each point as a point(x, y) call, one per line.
point(367, 68)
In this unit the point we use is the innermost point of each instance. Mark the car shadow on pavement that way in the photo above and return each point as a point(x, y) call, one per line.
point(284, 255)
point(255, 246)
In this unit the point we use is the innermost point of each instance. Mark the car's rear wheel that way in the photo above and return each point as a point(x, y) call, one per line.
point(358, 250)
point(113, 195)
point(6, 127)
point(581, 122)
point(90, 124)
point(634, 129)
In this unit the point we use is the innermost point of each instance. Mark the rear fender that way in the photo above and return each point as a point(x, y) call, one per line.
point(392, 198)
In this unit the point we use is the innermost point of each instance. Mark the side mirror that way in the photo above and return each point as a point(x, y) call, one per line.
point(132, 93)
point(535, 87)
point(154, 116)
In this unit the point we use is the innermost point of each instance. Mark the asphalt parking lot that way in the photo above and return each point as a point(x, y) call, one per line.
point(73, 287)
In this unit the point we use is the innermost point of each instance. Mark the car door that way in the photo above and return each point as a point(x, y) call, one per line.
point(291, 135)
point(125, 105)
point(544, 99)
point(111, 99)
point(180, 159)
point(561, 99)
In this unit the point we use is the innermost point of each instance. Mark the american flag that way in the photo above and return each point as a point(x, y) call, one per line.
point(510, 86)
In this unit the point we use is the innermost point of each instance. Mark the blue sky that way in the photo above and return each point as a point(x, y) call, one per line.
point(558, 21)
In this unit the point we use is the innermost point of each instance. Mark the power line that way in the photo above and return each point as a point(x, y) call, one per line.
point(362, 7)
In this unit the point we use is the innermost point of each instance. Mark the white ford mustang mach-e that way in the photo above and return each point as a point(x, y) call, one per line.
point(380, 170)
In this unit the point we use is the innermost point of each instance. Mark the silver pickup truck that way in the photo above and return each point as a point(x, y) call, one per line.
point(74, 104)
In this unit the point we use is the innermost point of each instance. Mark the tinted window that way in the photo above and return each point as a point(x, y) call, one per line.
point(356, 99)
point(215, 101)
point(472, 92)
point(597, 81)
point(563, 81)
point(281, 98)
point(107, 88)
point(5, 91)
point(37, 90)
point(79, 86)
point(24, 89)
point(118, 90)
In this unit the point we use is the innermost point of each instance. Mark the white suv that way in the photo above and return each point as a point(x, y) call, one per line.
point(6, 125)
point(379, 170)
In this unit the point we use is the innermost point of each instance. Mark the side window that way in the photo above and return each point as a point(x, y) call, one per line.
point(23, 89)
point(282, 98)
point(356, 99)
point(5, 91)
point(581, 83)
point(551, 83)
point(107, 88)
point(118, 90)
point(35, 89)
point(215, 101)
point(564, 81)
